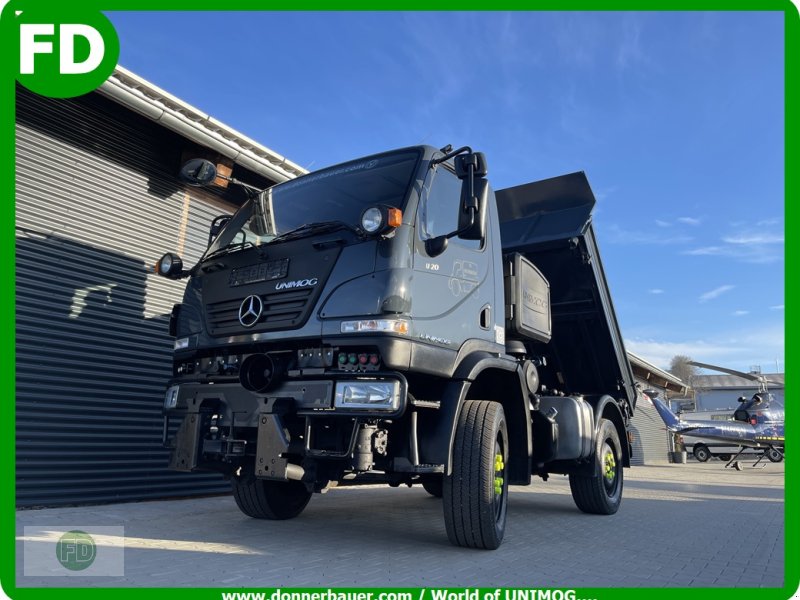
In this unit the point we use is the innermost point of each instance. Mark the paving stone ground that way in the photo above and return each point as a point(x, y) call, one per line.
point(697, 525)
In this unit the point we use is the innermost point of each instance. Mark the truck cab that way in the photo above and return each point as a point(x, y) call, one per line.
point(394, 320)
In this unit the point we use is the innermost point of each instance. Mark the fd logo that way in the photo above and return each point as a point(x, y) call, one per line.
point(64, 54)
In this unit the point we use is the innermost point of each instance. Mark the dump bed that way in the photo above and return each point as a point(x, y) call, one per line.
point(549, 223)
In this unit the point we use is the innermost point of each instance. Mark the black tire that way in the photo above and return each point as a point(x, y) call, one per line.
point(774, 455)
point(601, 492)
point(265, 499)
point(475, 495)
point(701, 452)
point(724, 457)
point(434, 486)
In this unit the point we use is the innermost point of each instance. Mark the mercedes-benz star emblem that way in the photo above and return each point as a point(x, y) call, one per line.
point(250, 311)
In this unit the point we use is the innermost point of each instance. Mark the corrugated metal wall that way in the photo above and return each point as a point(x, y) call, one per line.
point(97, 203)
point(651, 438)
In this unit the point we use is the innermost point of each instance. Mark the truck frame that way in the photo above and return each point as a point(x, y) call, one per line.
point(394, 320)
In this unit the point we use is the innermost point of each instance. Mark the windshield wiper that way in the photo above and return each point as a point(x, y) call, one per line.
point(229, 248)
point(314, 228)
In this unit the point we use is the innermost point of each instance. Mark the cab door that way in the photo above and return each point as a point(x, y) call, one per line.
point(452, 293)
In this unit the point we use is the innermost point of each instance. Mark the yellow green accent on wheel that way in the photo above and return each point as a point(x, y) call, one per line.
point(498, 462)
point(609, 465)
point(498, 485)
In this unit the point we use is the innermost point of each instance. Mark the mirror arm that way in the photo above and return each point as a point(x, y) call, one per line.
point(450, 155)
point(434, 247)
point(250, 189)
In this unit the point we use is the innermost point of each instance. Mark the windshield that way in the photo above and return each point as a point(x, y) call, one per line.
point(336, 195)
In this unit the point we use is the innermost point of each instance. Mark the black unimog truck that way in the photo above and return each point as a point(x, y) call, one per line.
point(395, 320)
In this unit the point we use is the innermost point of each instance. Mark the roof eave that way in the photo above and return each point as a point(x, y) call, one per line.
point(149, 100)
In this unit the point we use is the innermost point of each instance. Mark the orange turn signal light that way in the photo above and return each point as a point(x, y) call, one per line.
point(395, 217)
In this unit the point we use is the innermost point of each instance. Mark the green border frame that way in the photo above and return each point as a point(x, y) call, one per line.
point(7, 292)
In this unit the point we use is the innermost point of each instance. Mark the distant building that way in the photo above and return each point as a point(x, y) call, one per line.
point(718, 392)
point(651, 443)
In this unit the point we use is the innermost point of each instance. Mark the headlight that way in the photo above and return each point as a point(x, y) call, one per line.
point(375, 326)
point(371, 220)
point(380, 219)
point(170, 265)
point(367, 395)
point(171, 397)
point(181, 344)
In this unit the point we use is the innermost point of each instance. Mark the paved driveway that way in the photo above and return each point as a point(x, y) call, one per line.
point(679, 525)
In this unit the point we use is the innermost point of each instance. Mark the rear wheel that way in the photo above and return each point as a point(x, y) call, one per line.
point(701, 452)
point(265, 499)
point(724, 457)
point(476, 493)
point(601, 492)
point(774, 455)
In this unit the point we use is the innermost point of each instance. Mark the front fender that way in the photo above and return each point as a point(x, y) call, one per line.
point(483, 376)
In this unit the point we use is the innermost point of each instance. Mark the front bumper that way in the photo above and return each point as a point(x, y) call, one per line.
point(222, 423)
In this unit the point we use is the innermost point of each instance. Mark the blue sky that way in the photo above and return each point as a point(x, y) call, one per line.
point(677, 119)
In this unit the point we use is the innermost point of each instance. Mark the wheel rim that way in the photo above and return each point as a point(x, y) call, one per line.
point(499, 496)
point(610, 469)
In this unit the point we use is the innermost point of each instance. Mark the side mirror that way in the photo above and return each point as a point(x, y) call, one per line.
point(436, 245)
point(198, 172)
point(476, 230)
point(216, 226)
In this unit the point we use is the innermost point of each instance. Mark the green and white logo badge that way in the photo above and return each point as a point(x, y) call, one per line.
point(65, 54)
point(76, 550)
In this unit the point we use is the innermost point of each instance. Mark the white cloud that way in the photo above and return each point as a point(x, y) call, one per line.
point(740, 313)
point(777, 307)
point(715, 293)
point(754, 254)
point(755, 238)
point(655, 291)
point(661, 223)
point(689, 221)
point(661, 353)
point(630, 52)
point(760, 346)
point(759, 246)
point(617, 235)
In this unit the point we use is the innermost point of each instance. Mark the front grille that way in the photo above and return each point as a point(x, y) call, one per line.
point(282, 310)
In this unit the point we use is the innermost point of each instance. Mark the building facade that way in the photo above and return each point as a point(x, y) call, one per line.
point(97, 203)
point(652, 443)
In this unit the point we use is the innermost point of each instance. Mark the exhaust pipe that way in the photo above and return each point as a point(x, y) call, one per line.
point(295, 472)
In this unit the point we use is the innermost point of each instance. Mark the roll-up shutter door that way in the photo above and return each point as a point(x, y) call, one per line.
point(97, 202)
point(650, 435)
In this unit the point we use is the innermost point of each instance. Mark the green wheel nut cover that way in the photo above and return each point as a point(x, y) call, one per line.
point(610, 465)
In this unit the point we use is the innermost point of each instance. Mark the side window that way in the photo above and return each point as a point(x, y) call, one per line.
point(439, 211)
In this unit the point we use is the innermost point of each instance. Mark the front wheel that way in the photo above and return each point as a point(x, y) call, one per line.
point(701, 453)
point(601, 492)
point(266, 499)
point(475, 495)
